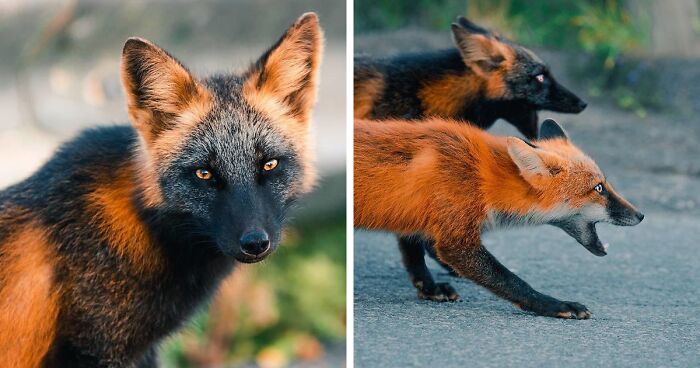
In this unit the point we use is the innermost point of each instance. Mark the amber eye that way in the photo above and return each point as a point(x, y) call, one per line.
point(540, 78)
point(599, 188)
point(270, 165)
point(203, 174)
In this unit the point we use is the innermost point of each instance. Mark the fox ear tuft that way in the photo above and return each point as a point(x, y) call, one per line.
point(527, 158)
point(550, 129)
point(478, 49)
point(158, 88)
point(283, 81)
point(471, 26)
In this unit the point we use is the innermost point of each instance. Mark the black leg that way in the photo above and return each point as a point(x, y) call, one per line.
point(413, 257)
point(474, 262)
point(429, 246)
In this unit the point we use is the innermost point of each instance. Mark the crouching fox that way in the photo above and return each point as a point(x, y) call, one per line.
point(112, 244)
point(452, 181)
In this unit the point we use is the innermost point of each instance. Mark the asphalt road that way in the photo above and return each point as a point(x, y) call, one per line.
point(644, 295)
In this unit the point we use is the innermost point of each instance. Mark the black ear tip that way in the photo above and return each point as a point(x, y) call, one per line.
point(551, 129)
point(136, 43)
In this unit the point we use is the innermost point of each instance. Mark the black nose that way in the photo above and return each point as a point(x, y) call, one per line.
point(255, 243)
point(582, 105)
point(640, 216)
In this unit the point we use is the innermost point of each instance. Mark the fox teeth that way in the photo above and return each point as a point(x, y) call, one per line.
point(605, 246)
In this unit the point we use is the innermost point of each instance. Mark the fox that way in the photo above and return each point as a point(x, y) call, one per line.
point(452, 182)
point(127, 230)
point(484, 78)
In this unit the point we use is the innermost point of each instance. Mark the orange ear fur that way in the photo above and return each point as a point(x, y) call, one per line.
point(160, 91)
point(282, 83)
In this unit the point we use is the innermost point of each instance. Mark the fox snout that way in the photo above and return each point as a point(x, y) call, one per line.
point(561, 99)
point(621, 212)
point(255, 245)
point(248, 225)
point(251, 246)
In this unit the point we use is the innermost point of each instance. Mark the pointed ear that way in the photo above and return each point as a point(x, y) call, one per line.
point(550, 129)
point(471, 26)
point(159, 90)
point(532, 162)
point(283, 81)
point(477, 49)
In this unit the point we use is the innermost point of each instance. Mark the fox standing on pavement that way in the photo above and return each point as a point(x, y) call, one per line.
point(452, 181)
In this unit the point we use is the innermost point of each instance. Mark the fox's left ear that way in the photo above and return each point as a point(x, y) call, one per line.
point(550, 129)
point(471, 26)
point(532, 162)
point(283, 81)
point(478, 50)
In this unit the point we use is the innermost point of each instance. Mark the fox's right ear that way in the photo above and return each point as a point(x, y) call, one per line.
point(478, 50)
point(160, 92)
point(533, 163)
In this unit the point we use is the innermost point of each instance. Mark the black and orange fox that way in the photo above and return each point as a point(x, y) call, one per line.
point(113, 244)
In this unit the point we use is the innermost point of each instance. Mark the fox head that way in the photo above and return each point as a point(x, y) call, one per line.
point(228, 153)
point(570, 186)
point(511, 72)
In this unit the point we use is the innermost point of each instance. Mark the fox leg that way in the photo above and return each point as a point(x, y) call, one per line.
point(474, 262)
point(429, 246)
point(413, 256)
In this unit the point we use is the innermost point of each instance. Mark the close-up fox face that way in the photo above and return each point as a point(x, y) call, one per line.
point(229, 153)
point(570, 186)
point(511, 72)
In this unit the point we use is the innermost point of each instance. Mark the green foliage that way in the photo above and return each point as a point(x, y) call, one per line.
point(371, 15)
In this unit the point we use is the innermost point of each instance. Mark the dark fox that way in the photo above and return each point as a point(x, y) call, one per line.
point(127, 230)
point(485, 78)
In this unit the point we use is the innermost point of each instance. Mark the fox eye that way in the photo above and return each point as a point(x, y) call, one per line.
point(203, 174)
point(540, 78)
point(270, 165)
point(599, 188)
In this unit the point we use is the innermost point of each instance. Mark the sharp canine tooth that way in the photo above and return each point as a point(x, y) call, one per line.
point(605, 246)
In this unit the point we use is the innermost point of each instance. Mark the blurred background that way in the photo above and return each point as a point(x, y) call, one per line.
point(637, 64)
point(59, 73)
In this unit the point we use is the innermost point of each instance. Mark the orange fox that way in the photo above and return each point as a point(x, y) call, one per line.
point(453, 181)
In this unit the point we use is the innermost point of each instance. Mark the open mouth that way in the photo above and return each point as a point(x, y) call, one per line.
point(592, 241)
point(586, 235)
point(598, 248)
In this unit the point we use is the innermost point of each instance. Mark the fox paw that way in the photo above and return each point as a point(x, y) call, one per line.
point(560, 309)
point(439, 292)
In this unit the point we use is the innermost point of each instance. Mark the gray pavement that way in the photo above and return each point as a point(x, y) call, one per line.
point(644, 295)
